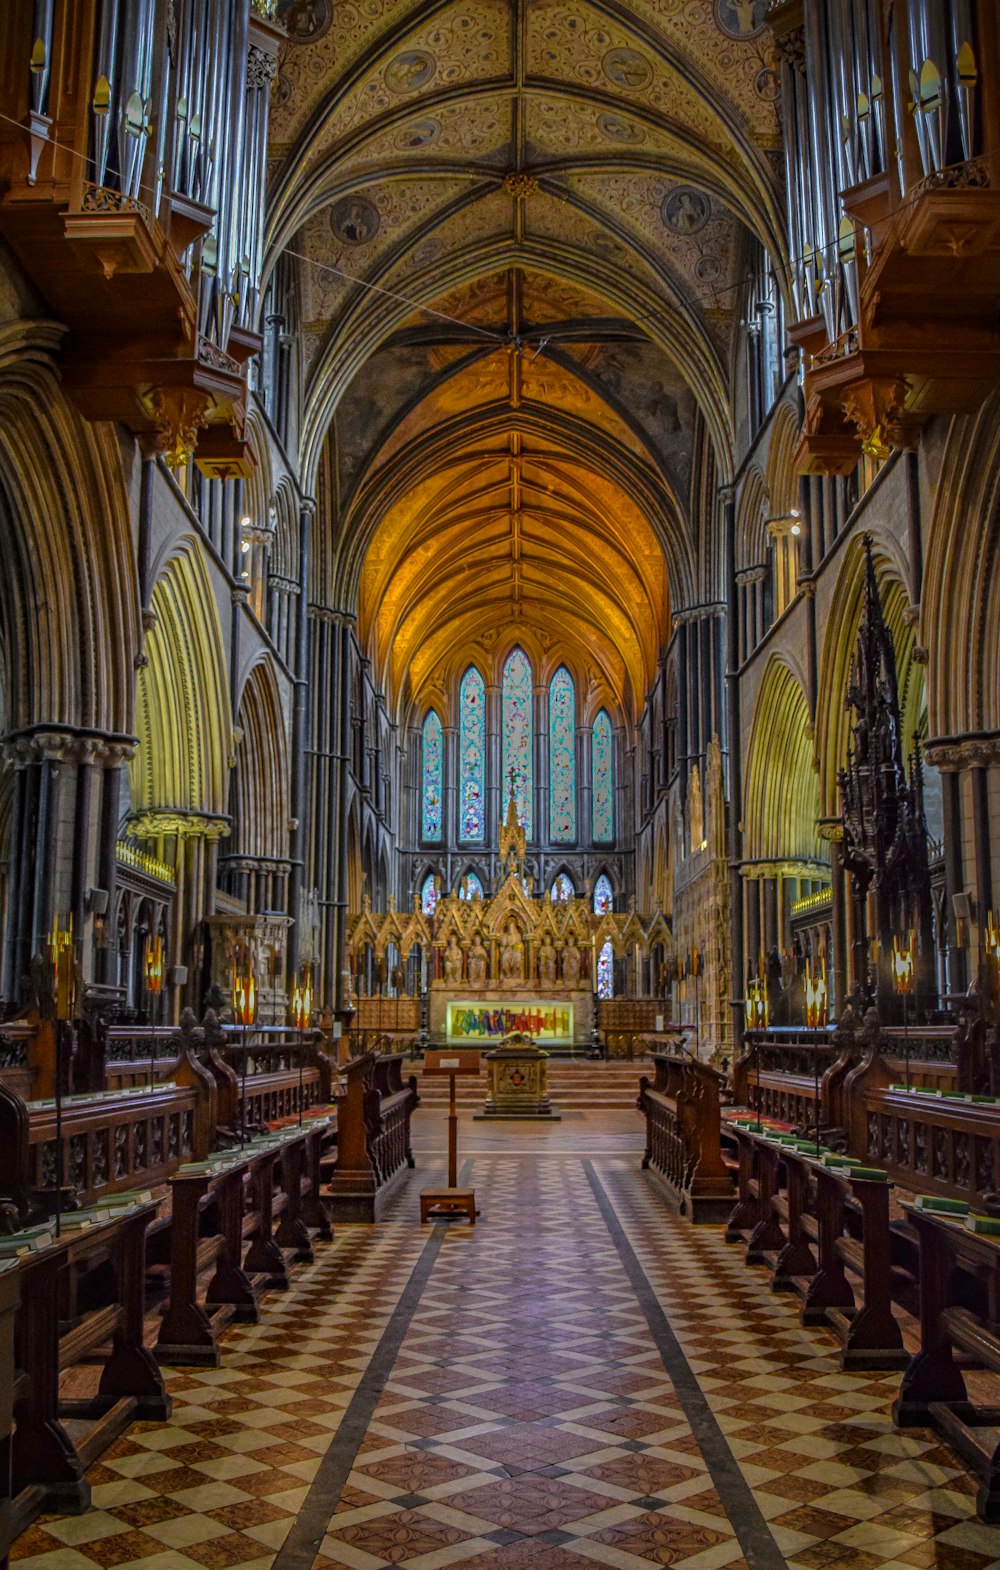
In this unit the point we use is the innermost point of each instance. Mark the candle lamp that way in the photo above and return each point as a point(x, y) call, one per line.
point(244, 990)
point(991, 950)
point(62, 958)
point(152, 977)
point(902, 980)
point(301, 1011)
point(816, 1007)
point(757, 1016)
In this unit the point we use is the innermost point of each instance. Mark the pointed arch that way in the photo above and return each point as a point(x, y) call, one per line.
point(604, 895)
point(182, 715)
point(562, 757)
point(69, 594)
point(259, 792)
point(472, 757)
point(517, 734)
point(781, 794)
point(843, 622)
point(432, 776)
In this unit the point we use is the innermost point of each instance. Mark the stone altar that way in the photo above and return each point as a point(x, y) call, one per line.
point(517, 1081)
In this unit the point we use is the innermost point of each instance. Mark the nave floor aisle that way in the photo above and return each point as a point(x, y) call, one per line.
point(582, 1380)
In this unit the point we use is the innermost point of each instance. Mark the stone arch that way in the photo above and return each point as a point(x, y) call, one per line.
point(259, 790)
point(838, 650)
point(781, 794)
point(69, 596)
point(961, 606)
point(782, 480)
point(182, 714)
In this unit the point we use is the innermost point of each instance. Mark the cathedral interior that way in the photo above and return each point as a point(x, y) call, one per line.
point(498, 504)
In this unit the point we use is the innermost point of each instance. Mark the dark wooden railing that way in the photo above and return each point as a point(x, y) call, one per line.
point(373, 1136)
point(681, 1106)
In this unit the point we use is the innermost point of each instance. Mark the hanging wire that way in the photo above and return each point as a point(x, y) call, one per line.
point(792, 263)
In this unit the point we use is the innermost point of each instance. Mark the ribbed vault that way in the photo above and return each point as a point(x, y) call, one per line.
point(521, 233)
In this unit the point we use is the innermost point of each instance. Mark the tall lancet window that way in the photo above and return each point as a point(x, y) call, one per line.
point(562, 756)
point(472, 757)
point(430, 811)
point(517, 735)
point(602, 763)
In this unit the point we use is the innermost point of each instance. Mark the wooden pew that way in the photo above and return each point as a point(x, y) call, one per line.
point(373, 1137)
point(10, 1297)
point(238, 1215)
point(683, 1135)
point(959, 1315)
point(824, 1232)
point(204, 1231)
point(795, 1068)
point(79, 1292)
point(928, 1143)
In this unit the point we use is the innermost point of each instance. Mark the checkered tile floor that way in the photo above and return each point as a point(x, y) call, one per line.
point(527, 1420)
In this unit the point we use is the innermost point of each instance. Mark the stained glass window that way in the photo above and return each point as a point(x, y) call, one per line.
point(472, 757)
point(562, 756)
point(562, 889)
point(428, 895)
point(517, 734)
point(430, 823)
point(604, 897)
point(606, 970)
point(603, 780)
point(473, 887)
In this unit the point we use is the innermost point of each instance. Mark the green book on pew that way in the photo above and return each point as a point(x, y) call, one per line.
point(872, 1174)
point(934, 1205)
point(985, 1226)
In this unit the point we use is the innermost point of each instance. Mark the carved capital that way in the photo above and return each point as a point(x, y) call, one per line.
point(179, 822)
point(261, 66)
point(972, 752)
point(178, 413)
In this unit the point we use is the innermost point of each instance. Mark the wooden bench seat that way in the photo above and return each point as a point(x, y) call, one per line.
point(71, 1308)
point(959, 1316)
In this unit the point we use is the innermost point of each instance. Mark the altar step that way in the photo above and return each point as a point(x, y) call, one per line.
point(574, 1085)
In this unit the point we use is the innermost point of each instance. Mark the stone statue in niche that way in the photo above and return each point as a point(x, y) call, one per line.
point(512, 955)
point(547, 963)
point(572, 961)
point(452, 961)
point(479, 962)
point(696, 811)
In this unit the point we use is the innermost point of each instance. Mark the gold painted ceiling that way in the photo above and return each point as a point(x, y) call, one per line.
point(520, 228)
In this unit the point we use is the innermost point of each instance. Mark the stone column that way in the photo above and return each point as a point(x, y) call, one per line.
point(584, 785)
point(300, 744)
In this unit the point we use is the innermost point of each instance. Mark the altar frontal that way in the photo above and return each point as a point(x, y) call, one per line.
point(478, 1021)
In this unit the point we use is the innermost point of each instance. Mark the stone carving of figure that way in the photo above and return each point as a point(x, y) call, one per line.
point(452, 961)
point(512, 955)
point(572, 960)
point(547, 963)
point(479, 962)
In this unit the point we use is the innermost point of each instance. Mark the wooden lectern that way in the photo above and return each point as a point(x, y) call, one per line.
point(442, 1204)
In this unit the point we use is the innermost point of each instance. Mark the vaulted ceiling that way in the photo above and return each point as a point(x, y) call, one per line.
point(522, 227)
